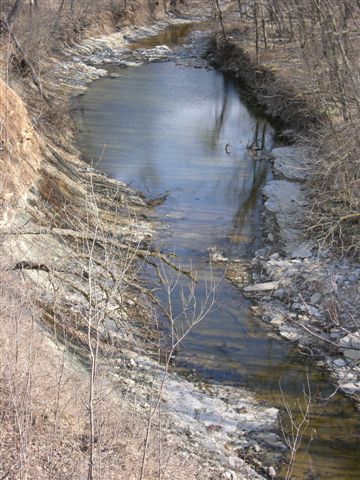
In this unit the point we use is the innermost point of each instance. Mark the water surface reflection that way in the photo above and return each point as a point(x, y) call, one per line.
point(185, 131)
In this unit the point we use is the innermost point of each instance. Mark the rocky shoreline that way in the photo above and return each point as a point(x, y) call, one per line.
point(308, 296)
point(305, 292)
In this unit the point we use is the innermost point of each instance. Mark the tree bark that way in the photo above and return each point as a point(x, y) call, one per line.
point(14, 12)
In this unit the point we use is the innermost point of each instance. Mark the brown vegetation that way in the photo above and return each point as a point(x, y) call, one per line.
point(302, 59)
point(44, 408)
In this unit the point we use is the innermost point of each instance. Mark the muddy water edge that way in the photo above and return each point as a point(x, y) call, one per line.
point(171, 125)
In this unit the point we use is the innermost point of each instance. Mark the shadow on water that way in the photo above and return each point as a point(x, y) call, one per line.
point(164, 128)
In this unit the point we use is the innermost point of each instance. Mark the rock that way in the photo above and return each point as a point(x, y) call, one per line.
point(290, 162)
point(256, 310)
point(290, 335)
point(350, 388)
point(351, 346)
point(298, 307)
point(335, 335)
point(315, 298)
point(263, 252)
point(270, 237)
point(302, 251)
point(262, 287)
point(277, 319)
point(285, 201)
point(339, 362)
point(271, 472)
point(280, 293)
point(313, 311)
point(216, 255)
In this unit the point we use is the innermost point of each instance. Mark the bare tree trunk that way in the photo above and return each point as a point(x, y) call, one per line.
point(263, 24)
point(219, 13)
point(35, 78)
point(61, 6)
point(256, 21)
point(14, 12)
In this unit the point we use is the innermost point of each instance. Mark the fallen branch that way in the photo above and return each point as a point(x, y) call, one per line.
point(144, 254)
point(27, 265)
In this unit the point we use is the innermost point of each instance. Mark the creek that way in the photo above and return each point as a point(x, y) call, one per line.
point(171, 127)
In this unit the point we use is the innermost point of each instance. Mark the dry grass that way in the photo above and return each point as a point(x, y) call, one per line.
point(44, 407)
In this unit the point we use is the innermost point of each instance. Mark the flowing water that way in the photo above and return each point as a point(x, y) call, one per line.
point(163, 127)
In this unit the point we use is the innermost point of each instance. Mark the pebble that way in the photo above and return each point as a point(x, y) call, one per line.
point(263, 252)
point(279, 293)
point(315, 298)
point(301, 251)
point(271, 472)
point(277, 319)
point(230, 475)
point(339, 362)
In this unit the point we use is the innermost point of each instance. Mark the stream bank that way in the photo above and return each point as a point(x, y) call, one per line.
point(310, 297)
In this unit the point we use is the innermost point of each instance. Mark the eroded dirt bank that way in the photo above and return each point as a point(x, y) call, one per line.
point(73, 241)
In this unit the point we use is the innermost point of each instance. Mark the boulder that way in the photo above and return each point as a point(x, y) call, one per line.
point(303, 250)
point(351, 346)
point(290, 162)
point(262, 287)
point(350, 388)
